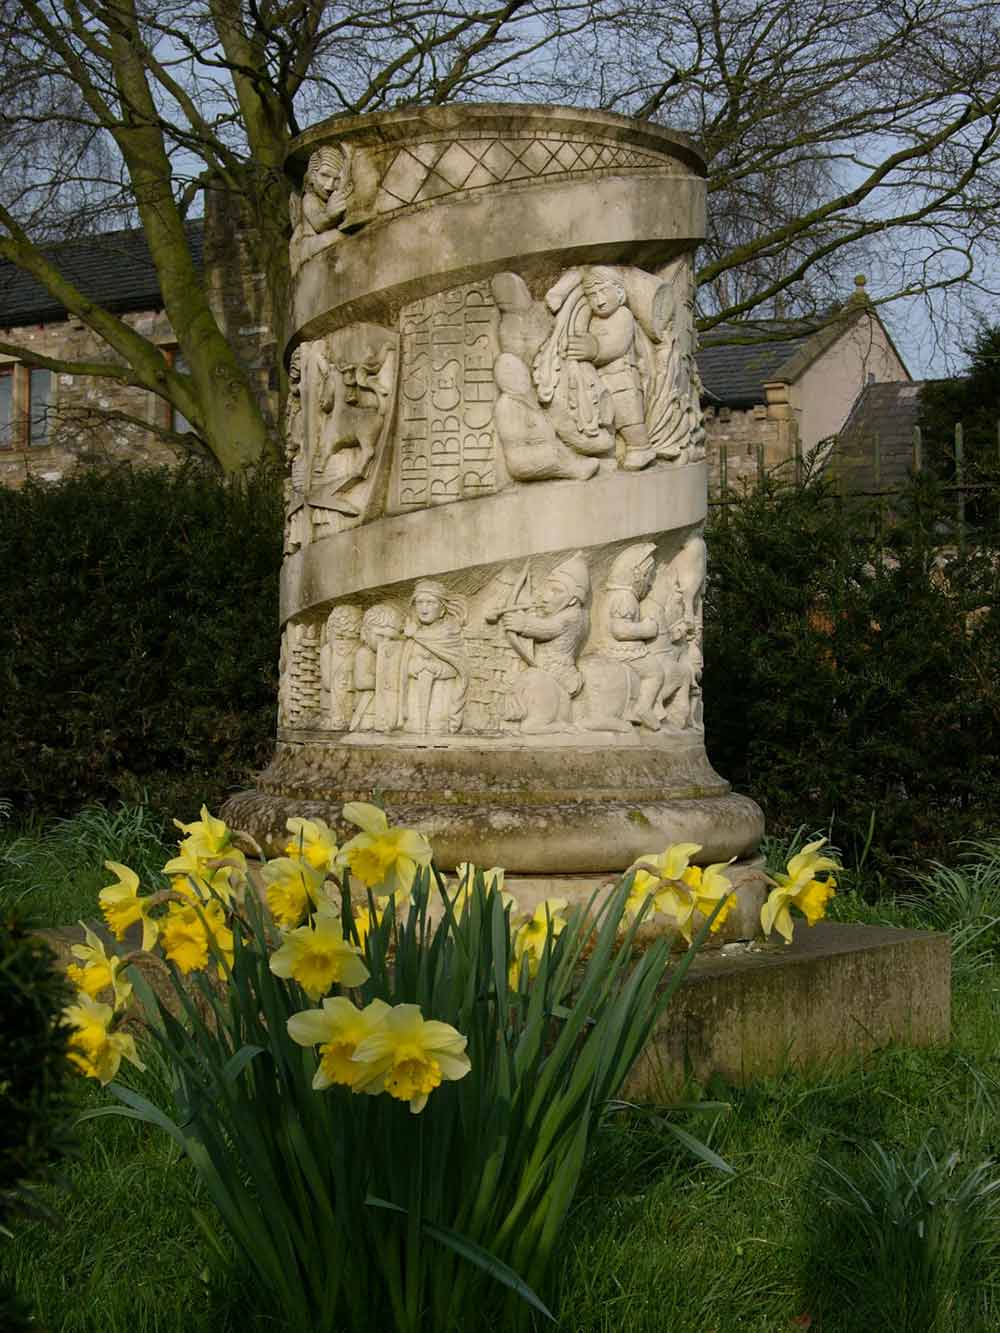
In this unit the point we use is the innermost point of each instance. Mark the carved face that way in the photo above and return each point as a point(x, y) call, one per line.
point(555, 596)
point(604, 297)
point(428, 608)
point(373, 635)
point(323, 178)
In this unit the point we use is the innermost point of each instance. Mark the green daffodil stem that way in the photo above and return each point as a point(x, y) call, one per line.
point(414, 1221)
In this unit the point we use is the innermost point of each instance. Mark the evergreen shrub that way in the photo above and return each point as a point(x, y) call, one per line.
point(852, 667)
point(141, 647)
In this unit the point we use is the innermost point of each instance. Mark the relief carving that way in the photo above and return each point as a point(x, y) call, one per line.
point(433, 668)
point(376, 669)
point(624, 678)
point(317, 214)
point(343, 629)
point(296, 515)
point(548, 638)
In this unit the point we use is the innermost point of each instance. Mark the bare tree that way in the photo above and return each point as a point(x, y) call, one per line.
point(830, 129)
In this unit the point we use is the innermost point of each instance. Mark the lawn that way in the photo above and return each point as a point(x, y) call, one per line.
point(853, 1203)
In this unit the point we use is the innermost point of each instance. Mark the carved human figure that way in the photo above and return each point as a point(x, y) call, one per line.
point(624, 680)
point(343, 628)
point(296, 514)
point(610, 344)
point(326, 194)
point(381, 626)
point(557, 629)
point(433, 668)
point(531, 448)
point(672, 647)
point(569, 386)
point(353, 401)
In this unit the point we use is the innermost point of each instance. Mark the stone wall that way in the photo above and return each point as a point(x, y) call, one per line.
point(749, 436)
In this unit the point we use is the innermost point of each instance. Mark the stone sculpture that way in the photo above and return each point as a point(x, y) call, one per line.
point(433, 671)
point(491, 595)
point(343, 630)
point(549, 637)
point(317, 212)
point(376, 668)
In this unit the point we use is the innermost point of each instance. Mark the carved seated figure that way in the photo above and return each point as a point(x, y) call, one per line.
point(531, 448)
point(543, 694)
point(326, 195)
point(433, 669)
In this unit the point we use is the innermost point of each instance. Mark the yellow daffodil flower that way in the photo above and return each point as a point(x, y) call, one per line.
point(382, 857)
point(185, 933)
point(312, 841)
point(92, 1047)
point(122, 905)
point(707, 887)
point(662, 878)
point(363, 922)
point(408, 1056)
point(292, 889)
point(800, 888)
point(336, 1029)
point(99, 971)
point(201, 880)
point(529, 938)
point(317, 955)
point(207, 836)
point(492, 879)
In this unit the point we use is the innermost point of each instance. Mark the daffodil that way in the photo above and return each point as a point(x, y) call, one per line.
point(800, 888)
point(312, 841)
point(317, 955)
point(122, 905)
point(98, 971)
point(187, 933)
point(529, 938)
point(382, 857)
point(365, 920)
point(207, 836)
point(409, 1056)
point(708, 887)
point(336, 1029)
point(492, 879)
point(292, 889)
point(662, 878)
point(201, 879)
point(92, 1046)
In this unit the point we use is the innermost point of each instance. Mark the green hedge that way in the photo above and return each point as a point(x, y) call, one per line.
point(844, 680)
point(141, 644)
point(849, 684)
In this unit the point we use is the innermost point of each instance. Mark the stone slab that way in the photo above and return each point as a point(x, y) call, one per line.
point(837, 991)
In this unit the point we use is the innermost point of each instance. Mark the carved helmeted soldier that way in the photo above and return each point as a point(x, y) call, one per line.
point(558, 628)
point(671, 647)
point(381, 625)
point(631, 630)
point(326, 195)
point(611, 345)
point(433, 669)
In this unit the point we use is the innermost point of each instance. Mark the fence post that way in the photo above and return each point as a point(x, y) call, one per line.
point(918, 450)
point(960, 483)
point(760, 465)
point(797, 446)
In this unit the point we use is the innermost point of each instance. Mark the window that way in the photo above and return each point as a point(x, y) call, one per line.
point(26, 401)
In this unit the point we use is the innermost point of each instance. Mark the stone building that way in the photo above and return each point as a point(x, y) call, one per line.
point(769, 398)
point(50, 420)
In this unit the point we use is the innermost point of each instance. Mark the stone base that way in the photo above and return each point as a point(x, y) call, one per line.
point(836, 991)
point(536, 811)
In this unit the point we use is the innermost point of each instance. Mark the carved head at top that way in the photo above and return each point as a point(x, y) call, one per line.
point(568, 583)
point(634, 569)
point(381, 623)
point(344, 622)
point(429, 601)
point(325, 172)
point(603, 289)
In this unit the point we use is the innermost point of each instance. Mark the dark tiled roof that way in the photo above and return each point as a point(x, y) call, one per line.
point(734, 374)
point(113, 268)
point(886, 411)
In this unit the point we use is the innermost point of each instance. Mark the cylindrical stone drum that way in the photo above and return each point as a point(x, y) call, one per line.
point(494, 566)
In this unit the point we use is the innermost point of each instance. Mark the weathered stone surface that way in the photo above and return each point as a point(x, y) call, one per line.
point(835, 991)
point(494, 563)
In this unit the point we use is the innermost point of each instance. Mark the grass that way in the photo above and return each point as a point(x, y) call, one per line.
point(657, 1241)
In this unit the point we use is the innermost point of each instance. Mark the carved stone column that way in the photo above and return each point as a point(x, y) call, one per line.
point(494, 570)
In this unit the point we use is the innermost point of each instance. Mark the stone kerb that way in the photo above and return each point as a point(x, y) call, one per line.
point(494, 564)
